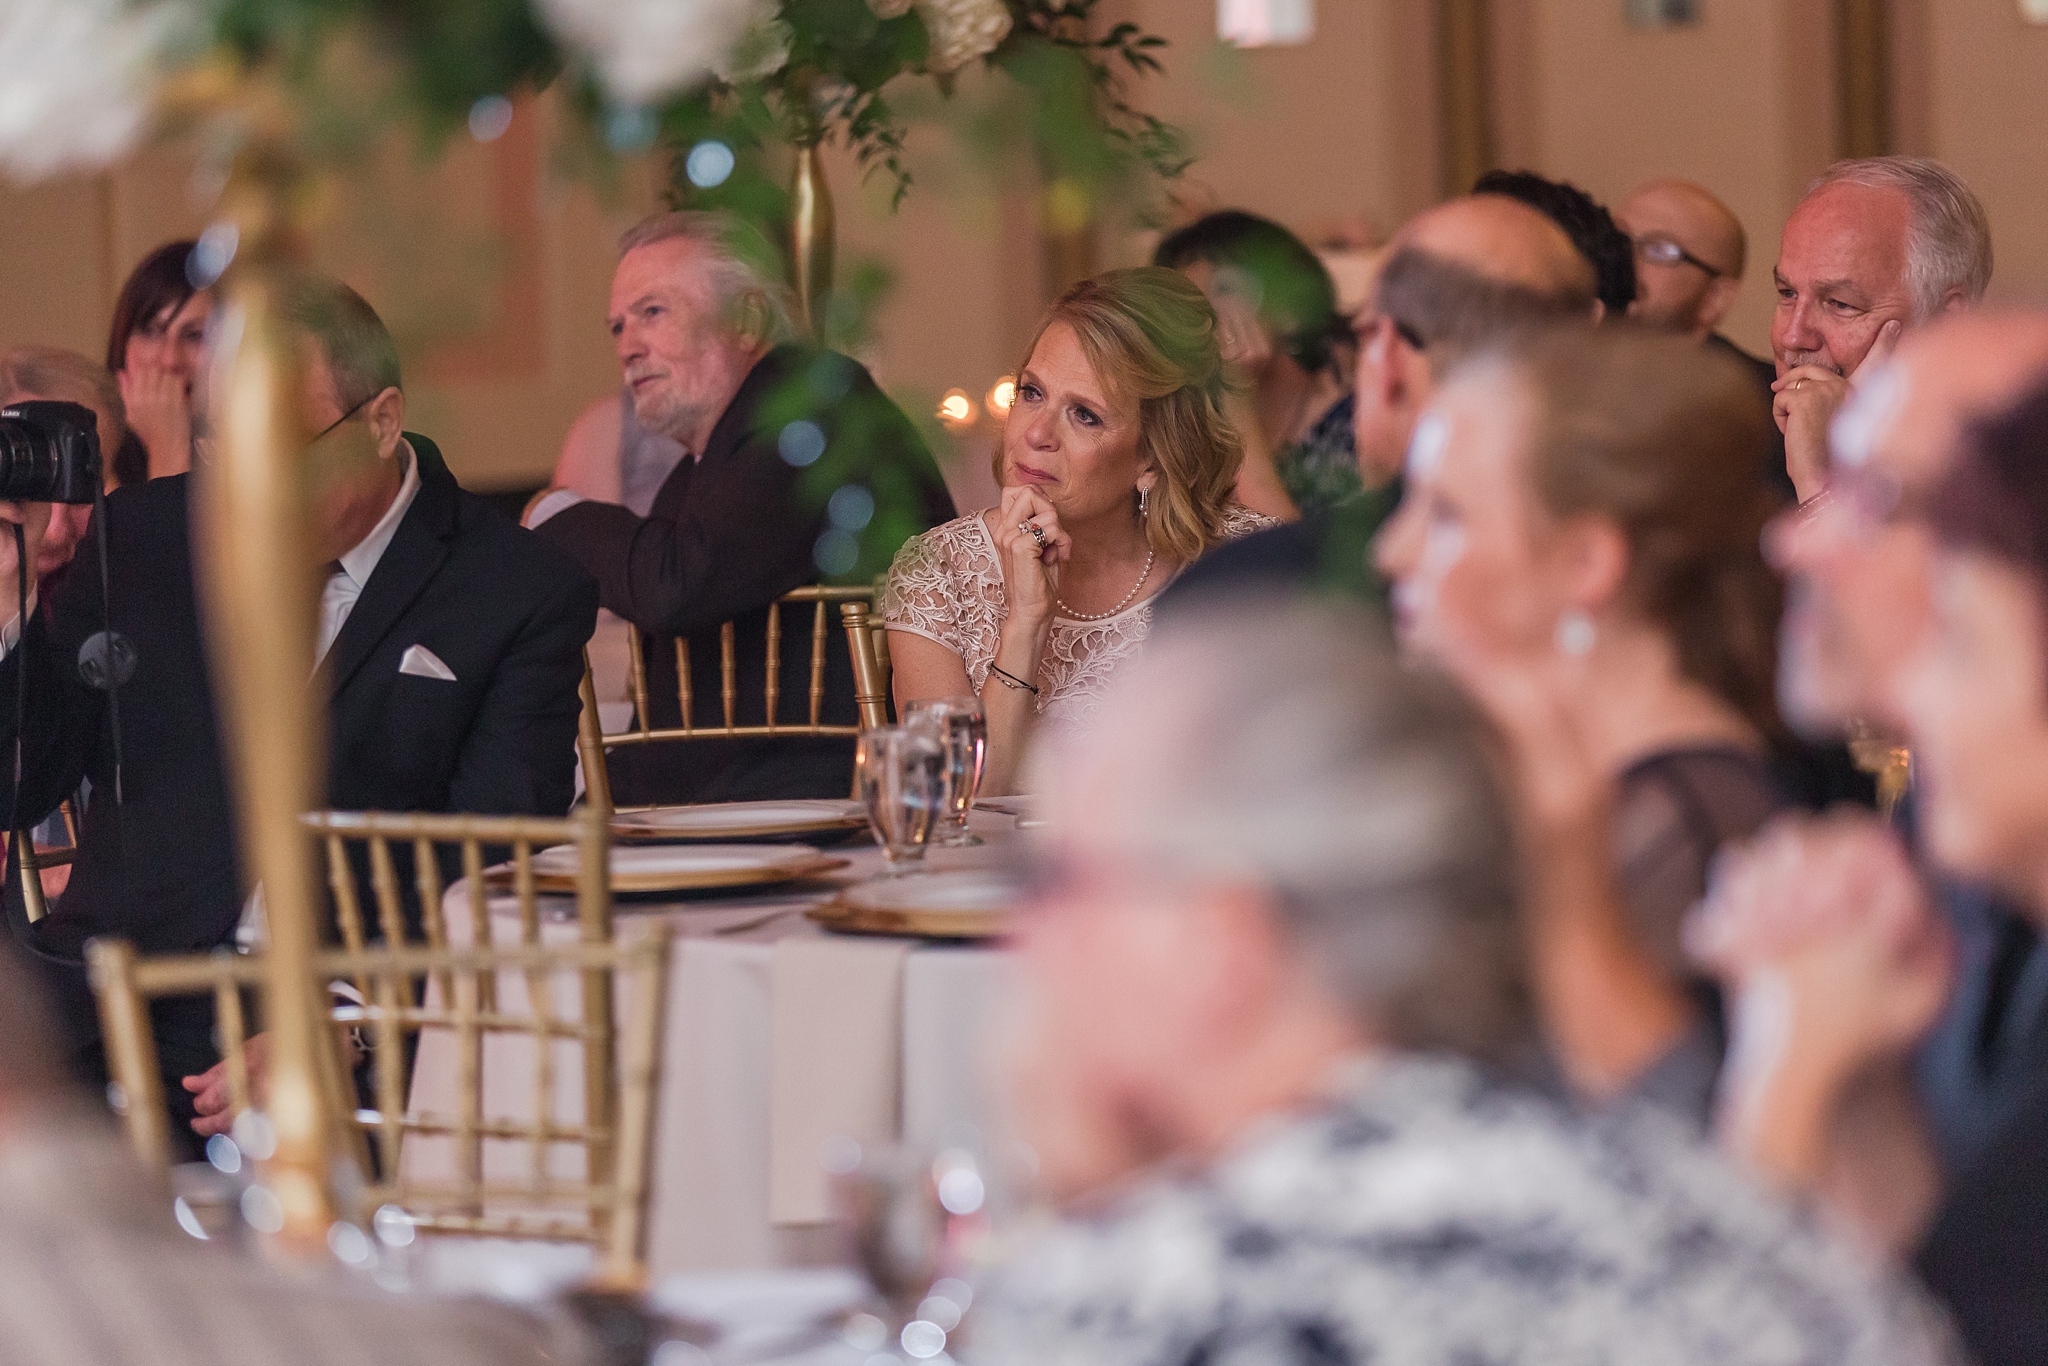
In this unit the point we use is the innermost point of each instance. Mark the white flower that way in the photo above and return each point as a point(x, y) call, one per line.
point(962, 30)
point(760, 53)
point(890, 9)
point(76, 78)
point(646, 49)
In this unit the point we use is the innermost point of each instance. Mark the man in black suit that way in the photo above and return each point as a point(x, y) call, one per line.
point(450, 648)
point(799, 470)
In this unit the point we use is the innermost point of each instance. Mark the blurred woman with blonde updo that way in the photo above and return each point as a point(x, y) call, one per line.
point(1116, 468)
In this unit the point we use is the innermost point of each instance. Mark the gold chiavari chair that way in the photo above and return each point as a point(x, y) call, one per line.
point(404, 988)
point(867, 645)
point(34, 862)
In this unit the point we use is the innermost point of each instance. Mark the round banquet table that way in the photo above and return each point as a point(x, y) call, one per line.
point(779, 1039)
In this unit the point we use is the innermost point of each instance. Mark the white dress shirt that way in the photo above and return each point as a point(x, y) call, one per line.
point(345, 584)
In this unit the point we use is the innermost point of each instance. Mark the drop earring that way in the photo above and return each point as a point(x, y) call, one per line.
point(1575, 634)
point(1144, 501)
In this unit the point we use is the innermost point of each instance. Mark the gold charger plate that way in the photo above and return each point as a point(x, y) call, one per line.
point(673, 868)
point(737, 821)
point(961, 904)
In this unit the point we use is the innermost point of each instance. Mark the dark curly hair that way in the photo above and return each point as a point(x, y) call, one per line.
point(1586, 221)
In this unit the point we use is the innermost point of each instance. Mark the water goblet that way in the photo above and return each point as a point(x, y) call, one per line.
point(964, 728)
point(901, 773)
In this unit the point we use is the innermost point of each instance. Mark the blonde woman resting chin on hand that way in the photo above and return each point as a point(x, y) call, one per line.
point(1116, 467)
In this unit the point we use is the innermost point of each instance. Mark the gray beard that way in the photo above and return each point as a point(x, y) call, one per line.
point(674, 418)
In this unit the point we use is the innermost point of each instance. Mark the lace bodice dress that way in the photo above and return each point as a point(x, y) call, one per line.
point(947, 586)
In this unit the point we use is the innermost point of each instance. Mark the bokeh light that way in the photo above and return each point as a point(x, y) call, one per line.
point(1001, 395)
point(489, 117)
point(709, 164)
point(956, 409)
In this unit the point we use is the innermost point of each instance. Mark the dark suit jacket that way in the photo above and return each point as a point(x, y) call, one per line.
point(508, 615)
point(732, 531)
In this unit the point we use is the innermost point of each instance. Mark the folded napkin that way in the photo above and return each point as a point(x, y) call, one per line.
point(835, 1062)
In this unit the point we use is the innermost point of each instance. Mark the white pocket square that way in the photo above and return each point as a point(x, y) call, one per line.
point(421, 662)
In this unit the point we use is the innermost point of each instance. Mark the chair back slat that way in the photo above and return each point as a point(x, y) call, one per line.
point(597, 782)
point(636, 676)
point(817, 710)
point(728, 675)
point(131, 1049)
point(774, 683)
point(384, 883)
point(34, 862)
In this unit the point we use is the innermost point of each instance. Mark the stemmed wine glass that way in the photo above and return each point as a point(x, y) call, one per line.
point(964, 728)
point(901, 772)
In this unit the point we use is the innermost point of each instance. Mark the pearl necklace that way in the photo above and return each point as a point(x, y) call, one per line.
point(1061, 603)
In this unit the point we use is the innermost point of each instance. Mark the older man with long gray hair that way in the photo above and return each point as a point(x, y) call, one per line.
point(1276, 994)
point(1876, 246)
point(799, 469)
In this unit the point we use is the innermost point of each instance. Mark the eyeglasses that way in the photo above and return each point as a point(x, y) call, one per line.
point(339, 420)
point(1662, 251)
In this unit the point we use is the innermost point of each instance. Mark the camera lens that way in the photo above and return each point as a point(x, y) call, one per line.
point(28, 462)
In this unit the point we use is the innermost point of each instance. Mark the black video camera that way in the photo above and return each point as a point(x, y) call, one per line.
point(49, 452)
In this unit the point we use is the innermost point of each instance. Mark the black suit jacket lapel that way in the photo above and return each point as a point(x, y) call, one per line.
point(415, 553)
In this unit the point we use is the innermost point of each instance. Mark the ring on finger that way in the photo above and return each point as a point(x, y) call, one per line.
point(1037, 532)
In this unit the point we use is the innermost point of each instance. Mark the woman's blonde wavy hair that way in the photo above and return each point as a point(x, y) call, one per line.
point(1150, 334)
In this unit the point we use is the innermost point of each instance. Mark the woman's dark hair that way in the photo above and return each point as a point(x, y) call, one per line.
point(1297, 298)
point(158, 283)
point(1585, 220)
point(1994, 500)
point(1660, 437)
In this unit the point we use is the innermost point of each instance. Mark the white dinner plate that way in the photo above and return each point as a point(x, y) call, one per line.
point(970, 903)
point(676, 868)
point(738, 820)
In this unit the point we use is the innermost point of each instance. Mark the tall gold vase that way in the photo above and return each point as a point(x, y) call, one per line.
point(810, 246)
point(253, 524)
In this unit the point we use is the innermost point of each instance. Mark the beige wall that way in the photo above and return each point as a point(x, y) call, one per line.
point(1985, 78)
point(1742, 102)
point(494, 271)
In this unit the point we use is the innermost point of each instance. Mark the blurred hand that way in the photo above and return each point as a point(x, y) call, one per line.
point(1825, 920)
point(34, 520)
point(1529, 698)
point(210, 1100)
point(1030, 570)
point(1807, 398)
point(160, 413)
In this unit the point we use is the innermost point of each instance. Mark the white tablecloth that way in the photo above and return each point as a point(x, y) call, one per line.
point(777, 1038)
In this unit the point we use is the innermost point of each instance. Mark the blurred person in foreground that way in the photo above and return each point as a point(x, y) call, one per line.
point(1455, 277)
point(1890, 1055)
point(1286, 344)
point(93, 1268)
point(1875, 247)
point(46, 372)
point(1574, 524)
point(800, 470)
point(1117, 467)
point(1274, 984)
point(156, 350)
